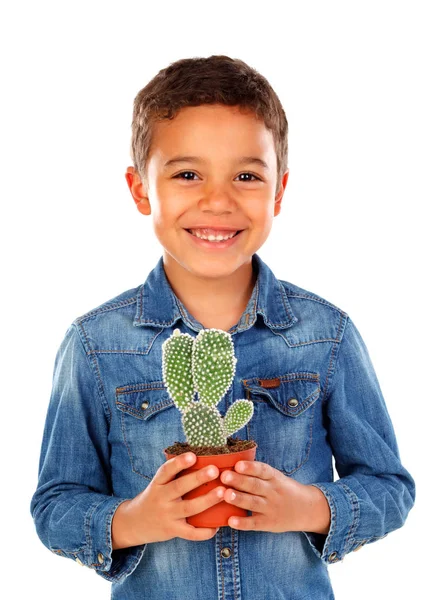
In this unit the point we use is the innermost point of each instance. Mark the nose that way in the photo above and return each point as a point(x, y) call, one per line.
point(217, 199)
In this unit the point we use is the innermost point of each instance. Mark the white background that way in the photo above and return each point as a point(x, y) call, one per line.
point(361, 86)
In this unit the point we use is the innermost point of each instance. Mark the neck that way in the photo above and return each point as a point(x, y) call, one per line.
point(211, 300)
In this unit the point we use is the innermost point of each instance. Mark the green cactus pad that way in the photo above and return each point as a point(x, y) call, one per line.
point(203, 425)
point(177, 368)
point(238, 415)
point(213, 364)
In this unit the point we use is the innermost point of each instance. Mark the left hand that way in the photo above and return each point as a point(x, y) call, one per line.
point(278, 503)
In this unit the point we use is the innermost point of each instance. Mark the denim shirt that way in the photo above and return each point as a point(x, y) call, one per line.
point(307, 370)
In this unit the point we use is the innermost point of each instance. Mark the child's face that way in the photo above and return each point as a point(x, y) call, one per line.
point(214, 188)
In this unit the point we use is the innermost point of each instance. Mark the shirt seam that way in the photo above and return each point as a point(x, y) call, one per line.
point(334, 360)
point(95, 371)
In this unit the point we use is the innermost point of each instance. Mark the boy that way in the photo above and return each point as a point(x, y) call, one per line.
point(209, 146)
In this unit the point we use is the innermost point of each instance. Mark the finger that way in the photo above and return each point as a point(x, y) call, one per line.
point(245, 483)
point(244, 523)
point(185, 483)
point(255, 468)
point(246, 501)
point(196, 534)
point(193, 506)
point(169, 469)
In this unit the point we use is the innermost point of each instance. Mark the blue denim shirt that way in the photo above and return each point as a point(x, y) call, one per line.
point(302, 362)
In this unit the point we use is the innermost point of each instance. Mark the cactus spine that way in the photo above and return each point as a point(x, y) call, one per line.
point(205, 364)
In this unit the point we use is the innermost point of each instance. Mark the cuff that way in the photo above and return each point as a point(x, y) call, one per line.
point(344, 509)
point(113, 565)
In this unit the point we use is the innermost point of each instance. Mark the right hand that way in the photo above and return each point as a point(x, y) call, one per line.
point(159, 513)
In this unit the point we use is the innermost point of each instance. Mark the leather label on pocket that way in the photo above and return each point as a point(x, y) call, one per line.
point(270, 383)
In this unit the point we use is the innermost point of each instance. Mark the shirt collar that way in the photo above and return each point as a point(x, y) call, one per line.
point(158, 305)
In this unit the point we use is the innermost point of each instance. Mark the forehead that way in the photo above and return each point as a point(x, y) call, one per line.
point(213, 128)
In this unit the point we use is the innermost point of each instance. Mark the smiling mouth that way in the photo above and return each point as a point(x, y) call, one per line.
point(239, 231)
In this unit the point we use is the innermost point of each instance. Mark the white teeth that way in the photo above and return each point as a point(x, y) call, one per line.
point(212, 238)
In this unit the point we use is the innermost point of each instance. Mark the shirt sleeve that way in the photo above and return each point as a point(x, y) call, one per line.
point(73, 504)
point(374, 493)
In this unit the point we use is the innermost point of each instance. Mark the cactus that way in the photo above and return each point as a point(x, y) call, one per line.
point(204, 365)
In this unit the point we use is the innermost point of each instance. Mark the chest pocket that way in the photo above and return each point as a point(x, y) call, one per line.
point(150, 422)
point(283, 419)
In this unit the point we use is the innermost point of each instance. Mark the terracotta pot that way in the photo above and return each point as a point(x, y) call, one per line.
point(217, 515)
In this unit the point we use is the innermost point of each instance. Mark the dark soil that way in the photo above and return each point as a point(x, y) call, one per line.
point(233, 445)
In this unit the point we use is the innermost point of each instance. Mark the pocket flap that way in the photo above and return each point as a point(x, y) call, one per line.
point(142, 400)
point(291, 393)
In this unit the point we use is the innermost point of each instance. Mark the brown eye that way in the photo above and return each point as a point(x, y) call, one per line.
point(249, 174)
point(181, 175)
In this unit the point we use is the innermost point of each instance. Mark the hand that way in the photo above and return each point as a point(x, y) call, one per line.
point(159, 513)
point(278, 503)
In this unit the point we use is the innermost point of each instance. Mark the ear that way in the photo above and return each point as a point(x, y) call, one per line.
point(279, 195)
point(136, 188)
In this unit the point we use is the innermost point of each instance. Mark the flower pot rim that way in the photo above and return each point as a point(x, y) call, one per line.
point(214, 455)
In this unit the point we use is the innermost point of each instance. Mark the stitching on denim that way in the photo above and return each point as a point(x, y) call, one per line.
point(332, 519)
point(302, 408)
point(287, 307)
point(141, 352)
point(108, 541)
point(145, 414)
point(138, 352)
point(307, 404)
point(355, 512)
point(110, 576)
point(96, 373)
point(262, 312)
point(74, 551)
point(287, 377)
point(139, 387)
point(316, 299)
point(310, 442)
point(182, 313)
point(315, 342)
point(147, 321)
point(234, 534)
point(107, 308)
point(318, 341)
point(221, 569)
point(87, 526)
point(334, 355)
point(123, 429)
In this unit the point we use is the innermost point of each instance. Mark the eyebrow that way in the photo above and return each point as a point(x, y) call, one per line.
point(244, 160)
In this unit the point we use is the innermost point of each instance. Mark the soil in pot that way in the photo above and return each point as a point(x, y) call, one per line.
point(233, 445)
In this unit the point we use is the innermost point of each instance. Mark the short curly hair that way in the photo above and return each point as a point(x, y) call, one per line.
point(217, 79)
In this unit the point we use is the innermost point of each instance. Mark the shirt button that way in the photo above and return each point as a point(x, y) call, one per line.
point(100, 558)
point(78, 561)
point(293, 402)
point(333, 557)
point(145, 405)
point(225, 552)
